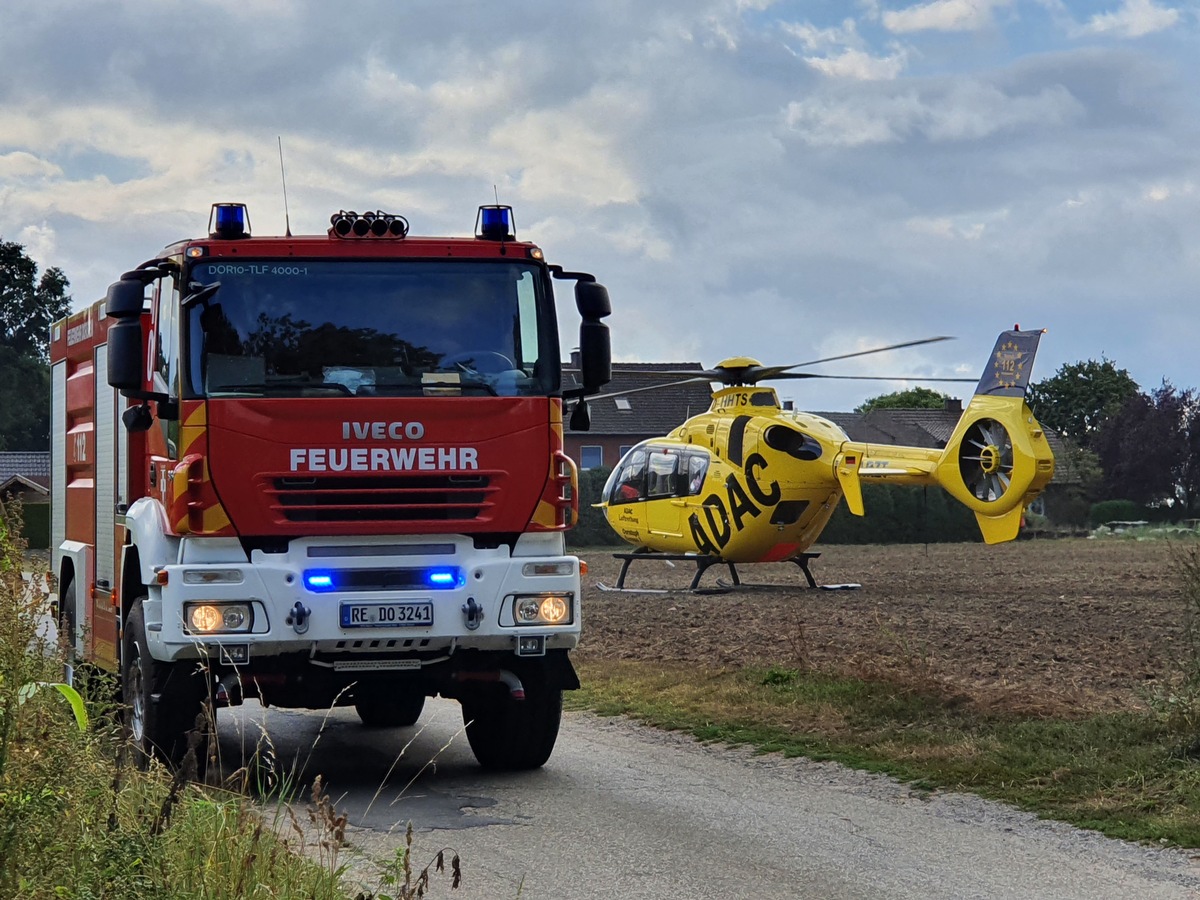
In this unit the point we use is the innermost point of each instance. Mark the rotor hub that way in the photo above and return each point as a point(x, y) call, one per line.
point(989, 459)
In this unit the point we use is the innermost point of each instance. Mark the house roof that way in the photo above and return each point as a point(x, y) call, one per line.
point(33, 465)
point(645, 412)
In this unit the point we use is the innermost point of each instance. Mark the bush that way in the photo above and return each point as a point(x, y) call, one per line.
point(902, 514)
point(1115, 511)
point(593, 529)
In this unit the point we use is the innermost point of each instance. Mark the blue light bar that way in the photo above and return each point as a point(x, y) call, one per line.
point(229, 221)
point(444, 578)
point(496, 223)
point(318, 581)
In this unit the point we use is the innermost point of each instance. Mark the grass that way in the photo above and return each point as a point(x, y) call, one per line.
point(78, 820)
point(1130, 776)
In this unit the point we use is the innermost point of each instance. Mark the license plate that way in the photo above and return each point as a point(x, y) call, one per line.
point(386, 615)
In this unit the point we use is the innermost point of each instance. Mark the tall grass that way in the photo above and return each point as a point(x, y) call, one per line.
point(76, 820)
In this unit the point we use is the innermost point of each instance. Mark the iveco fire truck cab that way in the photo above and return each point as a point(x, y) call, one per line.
point(325, 470)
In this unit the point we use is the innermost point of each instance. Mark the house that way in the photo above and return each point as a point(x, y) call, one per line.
point(26, 475)
point(619, 422)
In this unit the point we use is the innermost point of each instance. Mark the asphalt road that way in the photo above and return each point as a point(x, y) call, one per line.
point(622, 811)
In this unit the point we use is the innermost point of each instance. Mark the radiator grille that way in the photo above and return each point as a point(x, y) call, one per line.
point(401, 498)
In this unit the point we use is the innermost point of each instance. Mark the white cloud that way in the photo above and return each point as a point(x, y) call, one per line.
point(966, 110)
point(860, 66)
point(943, 15)
point(20, 164)
point(1135, 18)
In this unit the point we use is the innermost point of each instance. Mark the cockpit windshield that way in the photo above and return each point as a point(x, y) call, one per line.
point(366, 327)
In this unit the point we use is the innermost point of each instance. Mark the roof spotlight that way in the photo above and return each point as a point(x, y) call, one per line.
point(373, 224)
point(340, 222)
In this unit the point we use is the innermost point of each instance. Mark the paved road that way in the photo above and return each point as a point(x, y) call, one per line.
point(622, 811)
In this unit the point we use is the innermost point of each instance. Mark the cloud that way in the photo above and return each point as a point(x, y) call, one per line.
point(1134, 19)
point(20, 164)
point(943, 15)
point(962, 110)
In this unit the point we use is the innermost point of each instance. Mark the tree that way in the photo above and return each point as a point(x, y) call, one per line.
point(1145, 448)
point(913, 398)
point(1079, 397)
point(28, 306)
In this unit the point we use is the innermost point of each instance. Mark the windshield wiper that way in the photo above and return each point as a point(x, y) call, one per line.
point(281, 387)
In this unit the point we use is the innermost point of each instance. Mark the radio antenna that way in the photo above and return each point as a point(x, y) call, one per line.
point(286, 219)
point(497, 193)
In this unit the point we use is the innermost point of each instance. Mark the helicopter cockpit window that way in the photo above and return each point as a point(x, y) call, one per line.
point(628, 480)
point(697, 468)
point(662, 475)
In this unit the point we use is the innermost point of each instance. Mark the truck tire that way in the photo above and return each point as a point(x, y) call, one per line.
point(379, 709)
point(513, 735)
point(160, 729)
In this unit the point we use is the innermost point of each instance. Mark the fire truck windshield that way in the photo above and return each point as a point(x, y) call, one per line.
point(293, 327)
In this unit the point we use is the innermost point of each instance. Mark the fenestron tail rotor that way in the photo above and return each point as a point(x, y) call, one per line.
point(985, 460)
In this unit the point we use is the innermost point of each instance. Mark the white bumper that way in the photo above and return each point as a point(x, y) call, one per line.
point(473, 612)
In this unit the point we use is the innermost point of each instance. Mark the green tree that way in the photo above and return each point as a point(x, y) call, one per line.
point(1147, 449)
point(913, 398)
point(1080, 397)
point(28, 306)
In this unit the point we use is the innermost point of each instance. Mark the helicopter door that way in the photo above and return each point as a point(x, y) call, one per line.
point(666, 481)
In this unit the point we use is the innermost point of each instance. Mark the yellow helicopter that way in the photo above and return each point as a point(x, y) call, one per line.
point(749, 481)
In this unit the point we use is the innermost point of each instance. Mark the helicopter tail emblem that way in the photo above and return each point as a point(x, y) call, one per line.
point(996, 461)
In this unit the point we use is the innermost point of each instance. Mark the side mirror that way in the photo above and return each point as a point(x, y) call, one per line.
point(125, 354)
point(595, 356)
point(137, 418)
point(125, 299)
point(581, 419)
point(591, 299)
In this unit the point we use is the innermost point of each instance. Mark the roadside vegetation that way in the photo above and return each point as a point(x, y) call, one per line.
point(1133, 775)
point(79, 820)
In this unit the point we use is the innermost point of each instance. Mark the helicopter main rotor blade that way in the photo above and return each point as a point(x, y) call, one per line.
point(784, 375)
point(653, 387)
point(814, 362)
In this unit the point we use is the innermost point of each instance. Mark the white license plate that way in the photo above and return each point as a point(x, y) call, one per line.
point(386, 615)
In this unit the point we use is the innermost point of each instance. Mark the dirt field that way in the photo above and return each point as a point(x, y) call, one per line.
point(1037, 626)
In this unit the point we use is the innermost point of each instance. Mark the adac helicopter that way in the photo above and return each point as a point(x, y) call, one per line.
point(748, 481)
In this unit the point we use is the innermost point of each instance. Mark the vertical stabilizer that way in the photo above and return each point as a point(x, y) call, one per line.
point(998, 459)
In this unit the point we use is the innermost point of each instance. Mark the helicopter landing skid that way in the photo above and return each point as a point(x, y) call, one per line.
point(703, 564)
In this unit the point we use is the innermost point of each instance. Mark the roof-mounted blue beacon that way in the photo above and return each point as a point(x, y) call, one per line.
point(495, 223)
point(229, 221)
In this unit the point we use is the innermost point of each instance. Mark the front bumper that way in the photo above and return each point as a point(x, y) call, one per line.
point(287, 615)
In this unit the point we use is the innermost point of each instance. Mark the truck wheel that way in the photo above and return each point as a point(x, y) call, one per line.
point(379, 709)
point(160, 728)
point(512, 735)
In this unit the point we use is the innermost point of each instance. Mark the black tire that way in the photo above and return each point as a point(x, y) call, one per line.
point(164, 727)
point(513, 735)
point(64, 620)
point(379, 709)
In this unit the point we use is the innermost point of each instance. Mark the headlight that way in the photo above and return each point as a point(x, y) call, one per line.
point(217, 618)
point(543, 609)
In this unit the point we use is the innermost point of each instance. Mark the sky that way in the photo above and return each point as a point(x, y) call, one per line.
point(786, 180)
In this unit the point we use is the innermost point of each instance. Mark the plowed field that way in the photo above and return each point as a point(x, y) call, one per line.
point(1050, 626)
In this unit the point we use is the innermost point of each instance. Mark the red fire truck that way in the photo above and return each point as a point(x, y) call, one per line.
point(326, 470)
